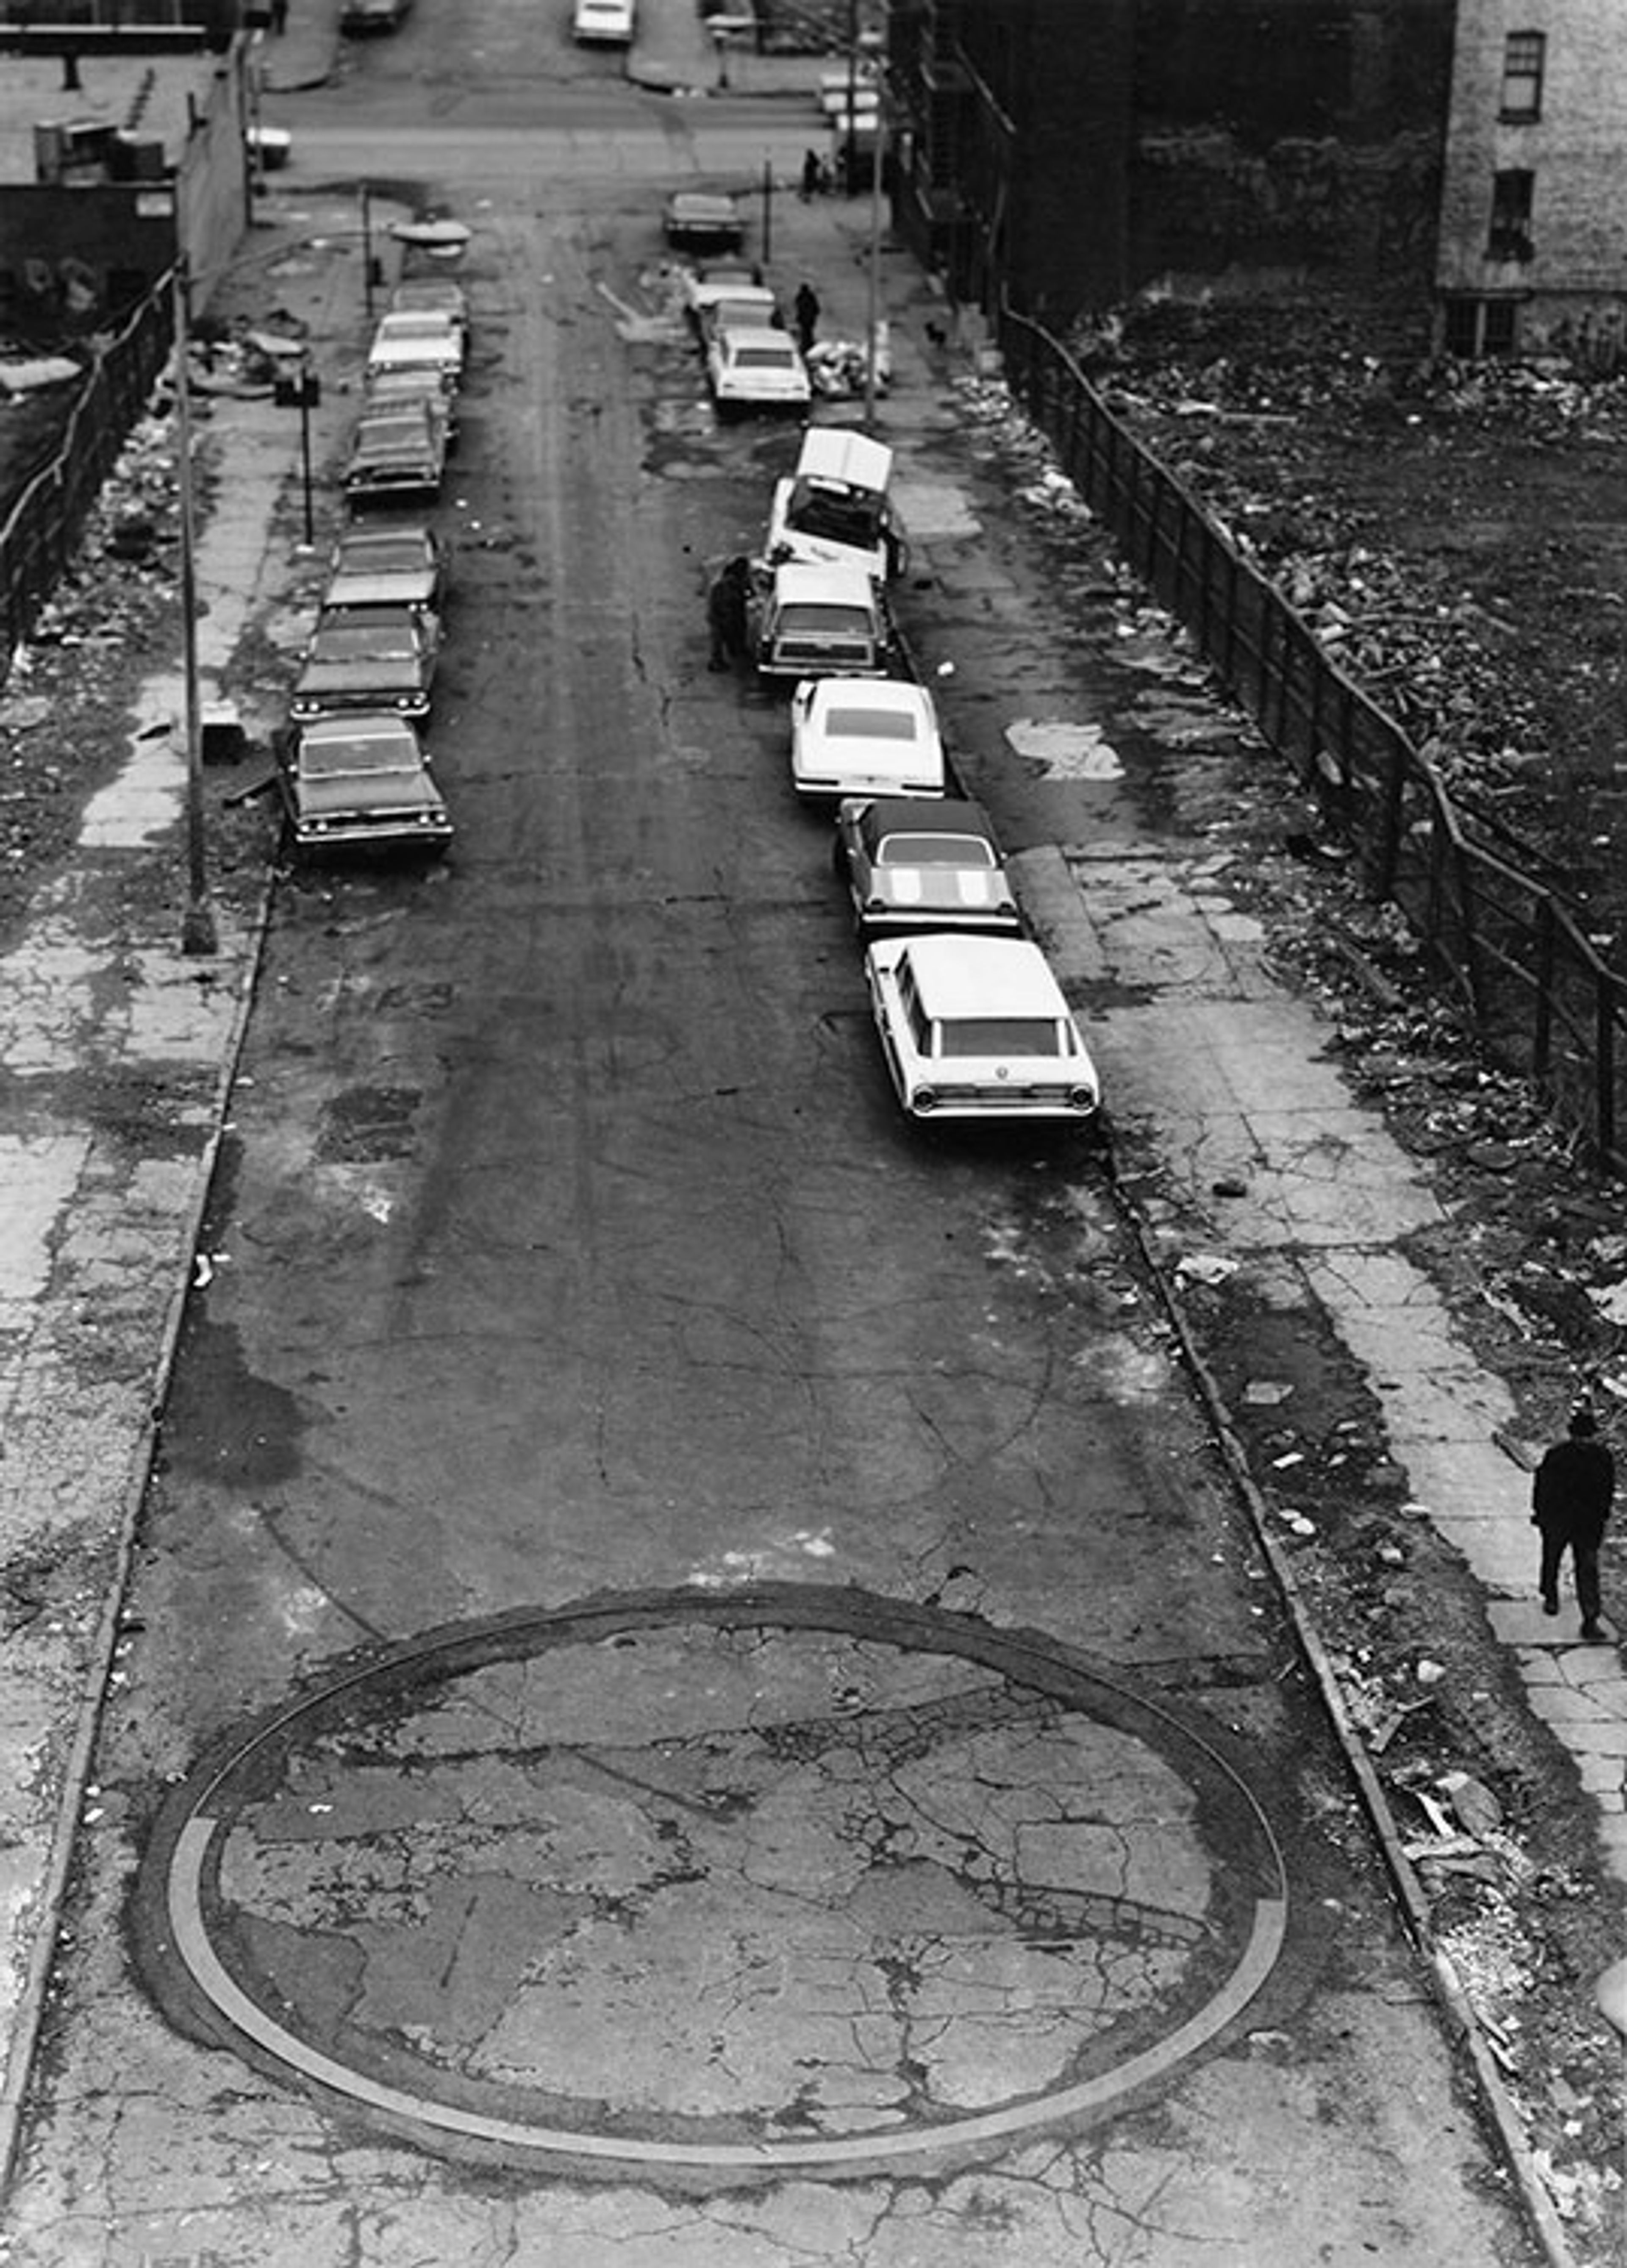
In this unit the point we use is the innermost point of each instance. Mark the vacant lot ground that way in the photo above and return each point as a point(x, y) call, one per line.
point(1457, 534)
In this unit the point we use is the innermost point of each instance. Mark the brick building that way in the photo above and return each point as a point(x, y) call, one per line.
point(1533, 246)
point(1074, 153)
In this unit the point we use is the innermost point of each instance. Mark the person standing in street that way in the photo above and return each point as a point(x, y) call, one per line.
point(726, 616)
point(805, 307)
point(1571, 1499)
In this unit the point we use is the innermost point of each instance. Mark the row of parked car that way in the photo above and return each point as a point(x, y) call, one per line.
point(971, 1020)
point(752, 363)
point(353, 771)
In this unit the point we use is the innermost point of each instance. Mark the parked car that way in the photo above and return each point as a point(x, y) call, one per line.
point(603, 22)
point(756, 369)
point(398, 566)
point(364, 15)
point(838, 90)
point(389, 389)
point(697, 220)
point(865, 736)
point(701, 288)
point(378, 658)
point(361, 783)
point(431, 295)
point(805, 621)
point(751, 307)
point(978, 1027)
point(419, 339)
point(910, 864)
point(396, 451)
point(835, 507)
point(271, 146)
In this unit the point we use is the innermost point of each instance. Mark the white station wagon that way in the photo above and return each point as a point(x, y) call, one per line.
point(756, 369)
point(978, 1027)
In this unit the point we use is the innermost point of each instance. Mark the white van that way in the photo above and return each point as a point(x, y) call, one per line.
point(834, 509)
point(602, 23)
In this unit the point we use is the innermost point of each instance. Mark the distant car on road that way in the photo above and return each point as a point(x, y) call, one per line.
point(398, 566)
point(361, 783)
point(603, 22)
point(866, 736)
point(756, 369)
point(695, 220)
point(978, 1028)
point(392, 389)
point(380, 659)
point(363, 16)
point(753, 307)
point(909, 864)
point(272, 146)
point(414, 327)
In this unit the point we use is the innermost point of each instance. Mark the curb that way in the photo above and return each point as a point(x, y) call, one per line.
point(1463, 2024)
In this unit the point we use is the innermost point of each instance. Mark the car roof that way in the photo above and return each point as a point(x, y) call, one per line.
point(982, 977)
point(823, 580)
point(835, 453)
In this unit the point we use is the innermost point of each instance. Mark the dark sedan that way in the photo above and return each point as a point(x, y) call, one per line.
point(369, 658)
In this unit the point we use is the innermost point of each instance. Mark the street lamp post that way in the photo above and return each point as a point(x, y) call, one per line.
point(198, 935)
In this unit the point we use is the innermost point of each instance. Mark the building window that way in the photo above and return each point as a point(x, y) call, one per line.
point(1475, 328)
point(1523, 56)
point(1511, 195)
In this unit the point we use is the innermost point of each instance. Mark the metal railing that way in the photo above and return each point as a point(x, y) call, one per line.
point(1542, 1001)
point(40, 532)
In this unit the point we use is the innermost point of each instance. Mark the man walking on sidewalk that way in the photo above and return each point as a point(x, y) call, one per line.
point(1570, 1501)
point(805, 308)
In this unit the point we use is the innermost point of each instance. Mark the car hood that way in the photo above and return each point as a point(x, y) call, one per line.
point(389, 673)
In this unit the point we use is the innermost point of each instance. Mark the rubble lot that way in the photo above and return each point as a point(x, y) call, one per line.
point(1457, 535)
point(1533, 1266)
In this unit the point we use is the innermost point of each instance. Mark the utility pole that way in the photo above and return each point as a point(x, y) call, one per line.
point(198, 930)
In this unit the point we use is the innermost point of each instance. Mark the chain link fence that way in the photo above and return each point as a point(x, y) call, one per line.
point(1542, 1000)
point(42, 528)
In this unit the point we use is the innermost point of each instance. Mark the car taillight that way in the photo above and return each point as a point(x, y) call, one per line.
point(924, 1098)
point(1082, 1098)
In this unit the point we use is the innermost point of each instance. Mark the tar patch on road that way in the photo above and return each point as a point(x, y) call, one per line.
point(696, 1885)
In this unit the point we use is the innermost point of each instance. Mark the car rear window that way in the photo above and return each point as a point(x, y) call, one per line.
point(765, 357)
point(871, 725)
point(934, 850)
point(1000, 1035)
point(799, 620)
point(364, 641)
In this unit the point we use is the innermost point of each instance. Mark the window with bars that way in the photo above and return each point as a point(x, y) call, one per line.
point(1513, 193)
point(1477, 327)
point(1524, 54)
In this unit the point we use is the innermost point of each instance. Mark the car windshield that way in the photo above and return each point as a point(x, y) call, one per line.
point(374, 751)
point(871, 724)
point(765, 357)
point(825, 620)
point(999, 1035)
point(934, 850)
point(365, 641)
point(840, 517)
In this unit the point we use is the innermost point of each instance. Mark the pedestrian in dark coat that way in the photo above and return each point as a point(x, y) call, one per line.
point(813, 174)
point(279, 16)
point(726, 612)
point(805, 307)
point(1571, 1499)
